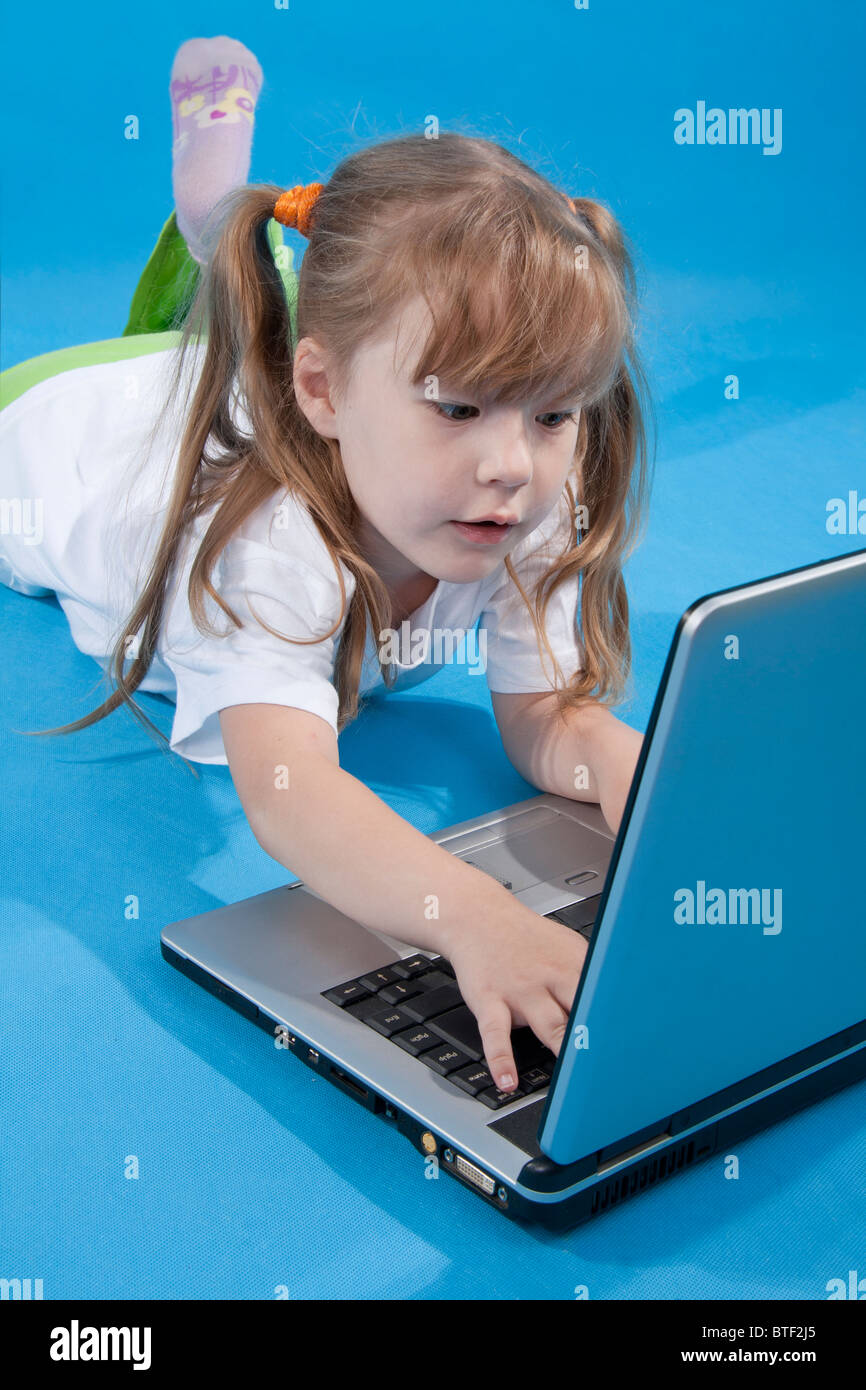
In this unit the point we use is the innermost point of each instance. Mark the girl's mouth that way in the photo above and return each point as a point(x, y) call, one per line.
point(483, 532)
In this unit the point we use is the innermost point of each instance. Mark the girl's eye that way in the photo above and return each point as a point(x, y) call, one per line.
point(440, 406)
point(450, 405)
point(563, 416)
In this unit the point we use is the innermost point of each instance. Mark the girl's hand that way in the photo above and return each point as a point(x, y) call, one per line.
point(520, 968)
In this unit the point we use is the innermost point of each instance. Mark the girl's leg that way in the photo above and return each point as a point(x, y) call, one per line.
point(166, 286)
point(214, 87)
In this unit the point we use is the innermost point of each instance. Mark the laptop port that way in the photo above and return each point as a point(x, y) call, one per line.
point(349, 1081)
point(371, 1100)
point(474, 1175)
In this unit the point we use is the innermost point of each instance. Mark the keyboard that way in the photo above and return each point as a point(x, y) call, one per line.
point(416, 1003)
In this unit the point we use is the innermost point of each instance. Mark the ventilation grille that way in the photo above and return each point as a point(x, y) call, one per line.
point(652, 1171)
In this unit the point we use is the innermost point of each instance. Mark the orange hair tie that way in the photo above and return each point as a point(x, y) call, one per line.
point(570, 202)
point(294, 207)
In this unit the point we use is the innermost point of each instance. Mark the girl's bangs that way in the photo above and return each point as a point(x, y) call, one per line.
point(547, 326)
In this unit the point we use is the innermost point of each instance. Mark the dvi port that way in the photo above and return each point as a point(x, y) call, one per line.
point(474, 1175)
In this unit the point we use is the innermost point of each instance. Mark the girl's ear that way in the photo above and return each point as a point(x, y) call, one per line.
point(313, 389)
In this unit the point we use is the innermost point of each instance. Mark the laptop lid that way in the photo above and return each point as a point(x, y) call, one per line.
point(732, 928)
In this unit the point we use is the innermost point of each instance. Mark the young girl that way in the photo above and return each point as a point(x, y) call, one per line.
point(446, 426)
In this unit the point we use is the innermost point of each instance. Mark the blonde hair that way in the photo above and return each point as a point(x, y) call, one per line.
point(529, 292)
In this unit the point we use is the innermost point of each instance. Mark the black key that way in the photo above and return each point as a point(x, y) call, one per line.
point(579, 916)
point(441, 963)
point(347, 993)
point(365, 1007)
point(459, 1027)
point(444, 1059)
point(432, 979)
point(416, 1040)
point(388, 1021)
point(400, 990)
point(534, 1078)
point(434, 1001)
point(496, 1099)
point(377, 979)
point(529, 1051)
point(473, 1079)
point(410, 965)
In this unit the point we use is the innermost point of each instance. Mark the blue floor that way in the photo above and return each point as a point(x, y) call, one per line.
point(156, 1144)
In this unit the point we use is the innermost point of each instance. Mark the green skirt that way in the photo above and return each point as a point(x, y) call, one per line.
point(156, 313)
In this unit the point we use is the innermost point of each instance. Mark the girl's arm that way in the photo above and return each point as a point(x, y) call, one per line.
point(586, 754)
point(513, 966)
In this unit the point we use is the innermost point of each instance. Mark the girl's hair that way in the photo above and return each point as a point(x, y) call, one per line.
point(527, 297)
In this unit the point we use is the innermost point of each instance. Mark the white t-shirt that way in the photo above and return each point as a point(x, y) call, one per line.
point(92, 500)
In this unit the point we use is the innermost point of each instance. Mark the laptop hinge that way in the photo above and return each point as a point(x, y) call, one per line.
point(624, 1154)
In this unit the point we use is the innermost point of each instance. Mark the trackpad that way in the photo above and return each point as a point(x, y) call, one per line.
point(541, 855)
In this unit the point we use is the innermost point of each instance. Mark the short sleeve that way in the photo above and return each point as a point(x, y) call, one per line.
point(514, 663)
point(277, 568)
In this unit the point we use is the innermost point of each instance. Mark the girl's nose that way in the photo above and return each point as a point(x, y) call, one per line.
point(508, 459)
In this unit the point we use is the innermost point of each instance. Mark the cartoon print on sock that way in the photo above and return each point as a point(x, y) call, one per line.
point(218, 99)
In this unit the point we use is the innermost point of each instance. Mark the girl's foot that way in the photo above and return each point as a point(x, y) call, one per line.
point(214, 87)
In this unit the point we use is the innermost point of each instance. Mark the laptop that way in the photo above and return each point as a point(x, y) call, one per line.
point(724, 982)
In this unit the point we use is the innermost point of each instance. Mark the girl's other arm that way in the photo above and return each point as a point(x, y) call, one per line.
point(586, 754)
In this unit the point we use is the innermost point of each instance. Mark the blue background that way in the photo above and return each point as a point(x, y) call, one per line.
point(253, 1174)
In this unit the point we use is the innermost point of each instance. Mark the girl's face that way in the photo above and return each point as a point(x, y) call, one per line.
point(418, 465)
